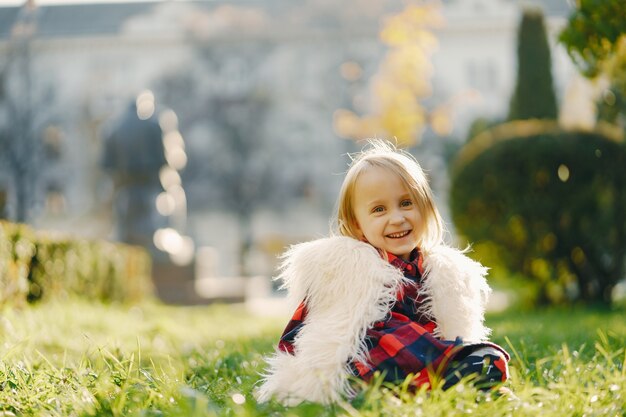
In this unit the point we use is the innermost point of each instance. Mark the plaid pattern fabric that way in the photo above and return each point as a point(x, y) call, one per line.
point(293, 327)
point(403, 343)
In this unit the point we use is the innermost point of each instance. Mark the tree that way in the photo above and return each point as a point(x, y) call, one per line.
point(402, 80)
point(247, 174)
point(533, 97)
point(24, 102)
point(547, 204)
point(239, 169)
point(593, 34)
point(595, 38)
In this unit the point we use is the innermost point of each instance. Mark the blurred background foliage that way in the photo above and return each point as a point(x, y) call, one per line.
point(595, 38)
point(543, 203)
point(402, 81)
point(593, 34)
point(546, 203)
point(38, 266)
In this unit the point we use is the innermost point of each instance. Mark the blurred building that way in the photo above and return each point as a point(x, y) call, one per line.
point(300, 61)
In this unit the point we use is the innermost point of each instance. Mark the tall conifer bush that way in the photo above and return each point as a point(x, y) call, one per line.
point(533, 97)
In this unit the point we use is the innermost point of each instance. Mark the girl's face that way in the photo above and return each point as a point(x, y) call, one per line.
point(386, 215)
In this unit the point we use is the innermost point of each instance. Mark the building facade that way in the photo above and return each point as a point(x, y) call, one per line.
point(208, 60)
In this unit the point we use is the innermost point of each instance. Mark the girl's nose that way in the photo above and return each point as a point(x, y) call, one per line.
point(397, 218)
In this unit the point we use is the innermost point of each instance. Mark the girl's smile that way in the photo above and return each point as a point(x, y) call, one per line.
point(398, 235)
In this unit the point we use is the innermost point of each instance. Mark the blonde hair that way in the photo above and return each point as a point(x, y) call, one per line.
point(383, 154)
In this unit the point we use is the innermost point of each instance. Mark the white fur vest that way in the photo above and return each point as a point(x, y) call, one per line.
point(348, 287)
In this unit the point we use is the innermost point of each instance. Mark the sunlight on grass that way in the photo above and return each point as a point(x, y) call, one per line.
point(80, 359)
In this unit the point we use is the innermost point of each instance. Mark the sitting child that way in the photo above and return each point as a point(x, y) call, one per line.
point(385, 294)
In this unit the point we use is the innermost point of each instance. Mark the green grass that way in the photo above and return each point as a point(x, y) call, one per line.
point(80, 359)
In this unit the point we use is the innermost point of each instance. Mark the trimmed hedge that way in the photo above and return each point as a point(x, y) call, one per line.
point(44, 266)
point(548, 204)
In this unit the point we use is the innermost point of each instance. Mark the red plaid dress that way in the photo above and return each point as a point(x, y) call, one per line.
point(403, 343)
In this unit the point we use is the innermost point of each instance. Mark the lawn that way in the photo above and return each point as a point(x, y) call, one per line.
point(81, 359)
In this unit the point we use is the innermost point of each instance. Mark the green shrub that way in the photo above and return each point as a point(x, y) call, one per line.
point(548, 204)
point(16, 251)
point(42, 266)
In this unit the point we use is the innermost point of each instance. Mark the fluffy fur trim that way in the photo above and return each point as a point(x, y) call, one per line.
point(456, 294)
point(347, 287)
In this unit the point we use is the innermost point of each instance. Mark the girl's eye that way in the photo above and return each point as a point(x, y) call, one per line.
point(406, 203)
point(378, 209)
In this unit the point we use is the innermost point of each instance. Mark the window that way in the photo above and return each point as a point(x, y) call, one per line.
point(3, 202)
point(53, 139)
point(482, 75)
point(55, 200)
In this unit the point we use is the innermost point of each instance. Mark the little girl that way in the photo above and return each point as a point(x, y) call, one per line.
point(385, 294)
